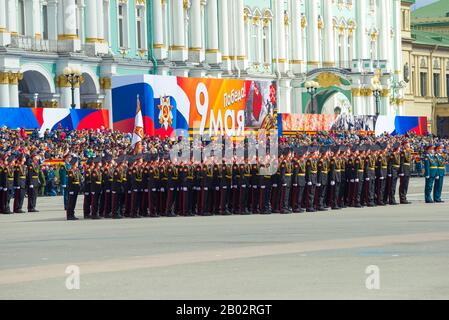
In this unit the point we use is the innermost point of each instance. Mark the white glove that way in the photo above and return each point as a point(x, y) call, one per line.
point(217, 188)
point(295, 185)
point(31, 186)
point(332, 183)
point(428, 177)
point(390, 175)
point(356, 180)
point(367, 179)
point(205, 189)
point(401, 175)
point(352, 180)
point(318, 184)
point(309, 183)
point(381, 178)
point(437, 177)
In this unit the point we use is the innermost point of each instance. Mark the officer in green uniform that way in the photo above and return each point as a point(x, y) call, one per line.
point(19, 184)
point(404, 172)
point(33, 181)
point(430, 172)
point(63, 171)
point(439, 178)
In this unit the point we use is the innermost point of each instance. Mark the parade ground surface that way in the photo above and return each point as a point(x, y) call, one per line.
point(327, 255)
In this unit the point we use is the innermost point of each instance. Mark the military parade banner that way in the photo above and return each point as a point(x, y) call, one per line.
point(393, 125)
point(203, 105)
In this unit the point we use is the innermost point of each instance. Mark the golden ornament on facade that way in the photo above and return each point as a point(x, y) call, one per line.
point(327, 79)
point(286, 21)
point(15, 77)
point(105, 83)
point(50, 104)
point(385, 93)
point(320, 24)
point(303, 22)
point(373, 36)
point(4, 77)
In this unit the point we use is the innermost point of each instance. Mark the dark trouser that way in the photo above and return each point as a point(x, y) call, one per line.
point(285, 200)
point(71, 202)
point(19, 196)
point(296, 196)
point(403, 188)
point(65, 195)
point(255, 199)
point(7, 195)
point(127, 202)
point(350, 194)
point(116, 199)
point(342, 193)
point(369, 192)
point(183, 200)
point(216, 200)
point(380, 191)
point(224, 198)
point(334, 195)
point(107, 203)
point(265, 194)
point(95, 203)
point(321, 196)
point(170, 202)
point(275, 195)
point(392, 190)
point(357, 193)
point(310, 194)
point(145, 202)
point(136, 202)
point(2, 200)
point(243, 198)
point(235, 199)
point(87, 204)
point(32, 196)
point(193, 198)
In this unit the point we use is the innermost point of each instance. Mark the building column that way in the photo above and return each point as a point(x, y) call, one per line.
point(12, 17)
point(33, 15)
point(91, 21)
point(160, 49)
point(280, 59)
point(296, 30)
point(362, 39)
point(178, 48)
point(100, 20)
point(5, 37)
point(224, 33)
point(4, 89)
point(213, 55)
point(297, 94)
point(14, 78)
point(284, 105)
point(196, 50)
point(52, 13)
point(240, 50)
point(329, 52)
point(68, 39)
point(385, 32)
point(312, 35)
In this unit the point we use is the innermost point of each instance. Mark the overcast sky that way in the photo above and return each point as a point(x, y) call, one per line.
point(420, 3)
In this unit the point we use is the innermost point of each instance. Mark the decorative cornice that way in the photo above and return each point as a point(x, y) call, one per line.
point(14, 77)
point(68, 37)
point(105, 83)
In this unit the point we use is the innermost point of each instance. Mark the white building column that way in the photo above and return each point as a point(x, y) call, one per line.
point(67, 36)
point(196, 50)
point(100, 20)
point(385, 31)
point(4, 89)
point(240, 50)
point(178, 50)
point(52, 14)
point(329, 52)
point(284, 103)
point(14, 78)
point(313, 58)
point(35, 19)
point(213, 55)
point(362, 39)
point(159, 47)
point(5, 37)
point(91, 21)
point(279, 48)
point(12, 17)
point(296, 30)
point(297, 93)
point(224, 33)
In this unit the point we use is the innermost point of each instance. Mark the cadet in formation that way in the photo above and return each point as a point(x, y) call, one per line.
point(307, 179)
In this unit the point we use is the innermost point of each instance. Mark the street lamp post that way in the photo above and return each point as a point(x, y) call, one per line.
point(73, 77)
point(312, 88)
point(377, 89)
point(36, 95)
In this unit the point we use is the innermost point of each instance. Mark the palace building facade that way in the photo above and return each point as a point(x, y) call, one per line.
point(345, 46)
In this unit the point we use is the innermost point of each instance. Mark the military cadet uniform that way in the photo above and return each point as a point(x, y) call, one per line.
point(334, 182)
point(183, 173)
point(8, 188)
point(370, 179)
point(217, 190)
point(198, 192)
point(265, 189)
point(439, 178)
point(395, 164)
point(254, 203)
point(276, 190)
point(235, 189)
point(226, 199)
point(381, 178)
point(145, 190)
point(136, 187)
point(2, 186)
point(117, 190)
point(322, 176)
point(155, 191)
point(311, 180)
point(430, 172)
point(350, 181)
point(298, 185)
point(286, 184)
point(343, 185)
point(191, 190)
point(208, 190)
point(153, 180)
point(96, 177)
point(404, 175)
point(19, 187)
point(73, 185)
point(128, 184)
point(357, 176)
point(63, 170)
point(87, 190)
point(172, 177)
point(33, 184)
